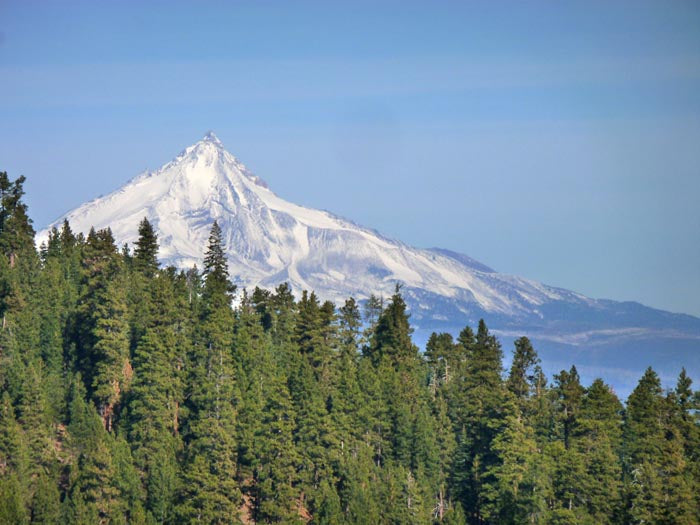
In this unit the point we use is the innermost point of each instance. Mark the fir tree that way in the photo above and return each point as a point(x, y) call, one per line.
point(210, 490)
point(392, 336)
point(12, 506)
point(217, 287)
point(16, 231)
point(104, 339)
point(441, 357)
point(597, 437)
point(92, 490)
point(329, 511)
point(569, 397)
point(157, 394)
point(276, 490)
point(14, 457)
point(644, 442)
point(34, 418)
point(345, 397)
point(46, 504)
point(522, 370)
point(481, 398)
point(511, 490)
point(146, 252)
point(143, 268)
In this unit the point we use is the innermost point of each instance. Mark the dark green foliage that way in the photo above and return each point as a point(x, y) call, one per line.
point(12, 506)
point(146, 252)
point(598, 440)
point(660, 475)
point(14, 456)
point(391, 339)
point(523, 369)
point(210, 491)
point(276, 490)
point(16, 231)
point(217, 287)
point(103, 338)
point(329, 511)
point(46, 504)
point(140, 395)
point(481, 398)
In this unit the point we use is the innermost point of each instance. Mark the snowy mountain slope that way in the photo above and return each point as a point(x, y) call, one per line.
point(271, 240)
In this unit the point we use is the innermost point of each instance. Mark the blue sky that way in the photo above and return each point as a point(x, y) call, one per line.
point(558, 141)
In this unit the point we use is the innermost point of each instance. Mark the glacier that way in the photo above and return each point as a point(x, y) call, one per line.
point(270, 240)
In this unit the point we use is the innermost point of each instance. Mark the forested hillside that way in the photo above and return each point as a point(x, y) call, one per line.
point(137, 394)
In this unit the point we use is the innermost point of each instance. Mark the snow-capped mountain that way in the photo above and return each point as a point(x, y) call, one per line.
point(270, 241)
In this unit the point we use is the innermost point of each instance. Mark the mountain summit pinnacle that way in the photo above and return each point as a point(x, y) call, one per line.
point(210, 136)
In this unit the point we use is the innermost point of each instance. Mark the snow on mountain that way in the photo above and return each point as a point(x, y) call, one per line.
point(271, 240)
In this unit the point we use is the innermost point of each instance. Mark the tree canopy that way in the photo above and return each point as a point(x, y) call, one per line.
point(132, 393)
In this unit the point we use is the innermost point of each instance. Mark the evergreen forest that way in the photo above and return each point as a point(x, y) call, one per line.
point(136, 394)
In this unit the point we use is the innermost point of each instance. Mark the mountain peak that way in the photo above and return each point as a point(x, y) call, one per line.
point(209, 144)
point(210, 137)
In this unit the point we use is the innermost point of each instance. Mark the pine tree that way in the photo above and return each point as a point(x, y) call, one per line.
point(283, 312)
point(76, 511)
point(481, 400)
point(157, 394)
point(329, 511)
point(126, 480)
point(522, 370)
point(568, 460)
point(146, 252)
point(254, 367)
point(511, 490)
point(104, 339)
point(313, 335)
point(685, 417)
point(210, 490)
point(92, 491)
point(12, 506)
point(597, 438)
point(644, 442)
point(313, 436)
point(53, 316)
point(445, 448)
point(217, 287)
point(34, 418)
point(392, 336)
point(345, 398)
point(350, 322)
point(14, 457)
point(542, 417)
point(276, 491)
point(441, 355)
point(142, 273)
point(373, 413)
point(46, 504)
point(359, 490)
point(454, 515)
point(19, 274)
point(569, 394)
point(16, 231)
point(372, 310)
